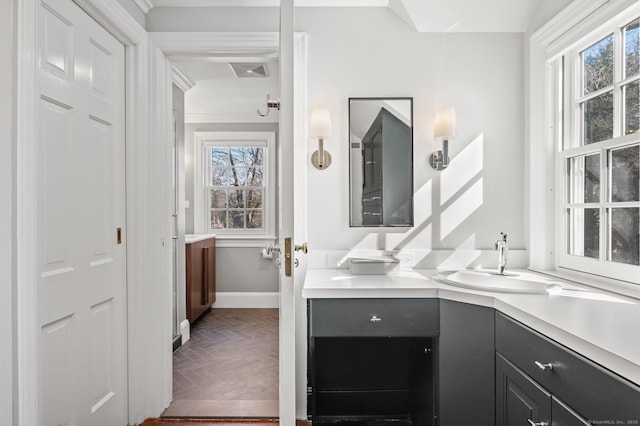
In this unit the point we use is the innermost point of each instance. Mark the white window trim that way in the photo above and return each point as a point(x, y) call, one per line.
point(242, 238)
point(555, 38)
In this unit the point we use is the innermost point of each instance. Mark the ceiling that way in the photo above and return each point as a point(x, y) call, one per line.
point(422, 15)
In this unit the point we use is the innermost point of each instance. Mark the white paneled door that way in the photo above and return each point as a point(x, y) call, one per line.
point(81, 290)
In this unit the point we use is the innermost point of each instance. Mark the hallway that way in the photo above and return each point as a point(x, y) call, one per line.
point(229, 367)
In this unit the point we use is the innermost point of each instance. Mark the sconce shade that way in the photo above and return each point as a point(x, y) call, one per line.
point(445, 126)
point(320, 123)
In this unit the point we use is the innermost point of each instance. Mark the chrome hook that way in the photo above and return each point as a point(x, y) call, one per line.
point(271, 103)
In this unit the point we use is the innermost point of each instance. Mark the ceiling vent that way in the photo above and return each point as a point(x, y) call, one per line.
point(252, 70)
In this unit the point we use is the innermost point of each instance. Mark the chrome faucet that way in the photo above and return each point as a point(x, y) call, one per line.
point(501, 246)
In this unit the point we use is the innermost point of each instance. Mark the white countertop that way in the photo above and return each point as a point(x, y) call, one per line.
point(603, 327)
point(194, 238)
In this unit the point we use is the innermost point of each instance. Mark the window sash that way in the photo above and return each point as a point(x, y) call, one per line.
point(209, 167)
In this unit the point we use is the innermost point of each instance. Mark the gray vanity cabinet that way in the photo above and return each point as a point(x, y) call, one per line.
point(577, 391)
point(372, 359)
point(387, 189)
point(520, 400)
point(466, 365)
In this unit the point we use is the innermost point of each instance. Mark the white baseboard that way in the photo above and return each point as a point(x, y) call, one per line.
point(247, 300)
point(185, 331)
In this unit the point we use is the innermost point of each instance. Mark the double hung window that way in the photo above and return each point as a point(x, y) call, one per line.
point(234, 185)
point(598, 163)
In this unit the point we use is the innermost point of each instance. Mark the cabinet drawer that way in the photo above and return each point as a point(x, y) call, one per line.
point(373, 317)
point(593, 392)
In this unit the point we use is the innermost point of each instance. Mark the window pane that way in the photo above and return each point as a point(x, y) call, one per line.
point(236, 219)
point(631, 93)
point(219, 156)
point(254, 219)
point(584, 232)
point(625, 174)
point(597, 115)
point(257, 158)
point(218, 198)
point(238, 176)
point(625, 245)
point(254, 198)
point(255, 176)
point(236, 198)
point(219, 177)
point(632, 49)
point(584, 179)
point(219, 219)
point(597, 63)
point(238, 156)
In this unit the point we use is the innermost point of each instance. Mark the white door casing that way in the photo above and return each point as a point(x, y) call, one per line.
point(81, 285)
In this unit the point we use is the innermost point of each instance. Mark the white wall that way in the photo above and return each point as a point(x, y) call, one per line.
point(7, 208)
point(243, 269)
point(481, 75)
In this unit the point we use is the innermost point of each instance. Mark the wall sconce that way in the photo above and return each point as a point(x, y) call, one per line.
point(445, 128)
point(320, 127)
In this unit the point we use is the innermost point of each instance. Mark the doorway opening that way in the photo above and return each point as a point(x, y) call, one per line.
point(225, 363)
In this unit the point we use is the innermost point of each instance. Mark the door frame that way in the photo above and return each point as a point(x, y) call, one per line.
point(147, 393)
point(192, 45)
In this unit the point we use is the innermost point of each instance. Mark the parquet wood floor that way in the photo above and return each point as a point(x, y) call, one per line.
point(229, 367)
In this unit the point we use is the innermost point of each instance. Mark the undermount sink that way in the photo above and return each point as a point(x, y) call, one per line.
point(510, 282)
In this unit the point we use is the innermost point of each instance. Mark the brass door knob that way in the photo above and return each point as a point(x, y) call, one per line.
point(304, 248)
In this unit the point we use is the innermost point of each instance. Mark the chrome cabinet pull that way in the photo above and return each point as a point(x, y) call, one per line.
point(375, 318)
point(532, 423)
point(543, 367)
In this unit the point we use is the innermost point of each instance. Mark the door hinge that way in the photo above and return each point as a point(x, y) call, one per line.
point(119, 236)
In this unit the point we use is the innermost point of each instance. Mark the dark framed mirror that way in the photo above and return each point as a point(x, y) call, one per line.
point(381, 162)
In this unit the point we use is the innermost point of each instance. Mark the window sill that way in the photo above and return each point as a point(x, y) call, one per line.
point(244, 241)
point(623, 288)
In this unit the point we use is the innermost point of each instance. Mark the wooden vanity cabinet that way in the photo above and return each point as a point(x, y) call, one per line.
point(201, 277)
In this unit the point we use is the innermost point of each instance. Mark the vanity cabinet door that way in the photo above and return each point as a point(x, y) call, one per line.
point(519, 400)
point(201, 277)
point(466, 365)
